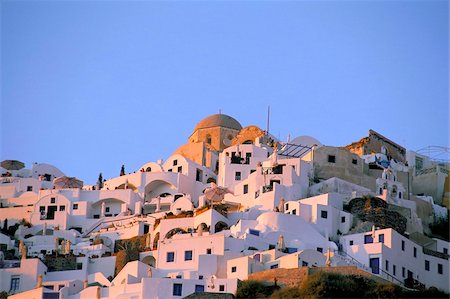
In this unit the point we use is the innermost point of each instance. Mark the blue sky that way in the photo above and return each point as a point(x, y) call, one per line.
point(89, 85)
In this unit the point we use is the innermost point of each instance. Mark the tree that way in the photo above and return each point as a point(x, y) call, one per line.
point(100, 180)
point(122, 170)
point(5, 226)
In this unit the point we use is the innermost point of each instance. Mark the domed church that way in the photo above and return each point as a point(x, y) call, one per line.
point(210, 136)
point(216, 130)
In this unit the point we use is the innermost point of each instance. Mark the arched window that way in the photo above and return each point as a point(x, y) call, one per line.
point(208, 139)
point(149, 169)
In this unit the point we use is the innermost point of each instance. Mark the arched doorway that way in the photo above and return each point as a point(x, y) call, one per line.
point(220, 226)
point(149, 260)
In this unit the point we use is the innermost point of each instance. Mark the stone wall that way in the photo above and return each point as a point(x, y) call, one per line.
point(294, 277)
point(377, 211)
point(373, 144)
point(342, 168)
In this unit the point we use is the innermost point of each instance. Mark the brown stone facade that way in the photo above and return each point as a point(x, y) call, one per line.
point(376, 210)
point(247, 134)
point(373, 144)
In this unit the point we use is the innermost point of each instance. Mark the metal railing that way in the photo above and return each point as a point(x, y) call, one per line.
point(364, 267)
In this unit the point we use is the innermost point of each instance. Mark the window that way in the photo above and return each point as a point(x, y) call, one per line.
point(253, 232)
point(233, 269)
point(245, 189)
point(419, 163)
point(188, 255)
point(427, 265)
point(199, 175)
point(387, 265)
point(200, 277)
point(15, 281)
point(208, 251)
point(354, 161)
point(445, 250)
point(237, 176)
point(394, 269)
point(343, 219)
point(415, 252)
point(320, 249)
point(294, 212)
point(286, 206)
point(440, 269)
point(403, 271)
point(222, 288)
point(177, 289)
point(247, 158)
point(75, 206)
point(368, 239)
point(324, 214)
point(29, 188)
point(62, 208)
point(351, 242)
point(107, 209)
point(179, 276)
point(42, 209)
point(381, 238)
point(170, 257)
point(274, 266)
point(170, 170)
point(403, 245)
point(199, 288)
point(304, 264)
point(331, 158)
point(180, 169)
point(208, 139)
point(53, 200)
point(175, 162)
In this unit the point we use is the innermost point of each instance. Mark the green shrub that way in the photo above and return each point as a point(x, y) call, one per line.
point(287, 292)
point(388, 290)
point(253, 289)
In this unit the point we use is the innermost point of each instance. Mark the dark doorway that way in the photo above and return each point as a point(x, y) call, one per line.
point(51, 212)
point(375, 265)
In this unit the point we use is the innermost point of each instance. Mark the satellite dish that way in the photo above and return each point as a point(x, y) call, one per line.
point(227, 142)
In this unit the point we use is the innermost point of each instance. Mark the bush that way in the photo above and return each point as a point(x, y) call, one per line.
point(326, 285)
point(334, 285)
point(253, 289)
point(288, 292)
point(25, 223)
point(388, 291)
point(431, 292)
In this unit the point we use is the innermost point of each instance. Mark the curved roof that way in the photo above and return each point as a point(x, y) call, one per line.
point(218, 120)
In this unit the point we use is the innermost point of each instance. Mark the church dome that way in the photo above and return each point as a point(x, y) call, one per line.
point(218, 120)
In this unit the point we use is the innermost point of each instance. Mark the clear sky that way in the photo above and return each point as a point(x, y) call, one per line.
point(89, 85)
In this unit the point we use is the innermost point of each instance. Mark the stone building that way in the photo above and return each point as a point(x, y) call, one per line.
point(210, 136)
point(377, 143)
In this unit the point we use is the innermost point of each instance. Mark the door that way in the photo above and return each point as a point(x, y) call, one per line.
point(410, 275)
point(375, 265)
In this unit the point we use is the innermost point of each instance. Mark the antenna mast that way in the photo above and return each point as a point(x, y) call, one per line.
point(268, 119)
